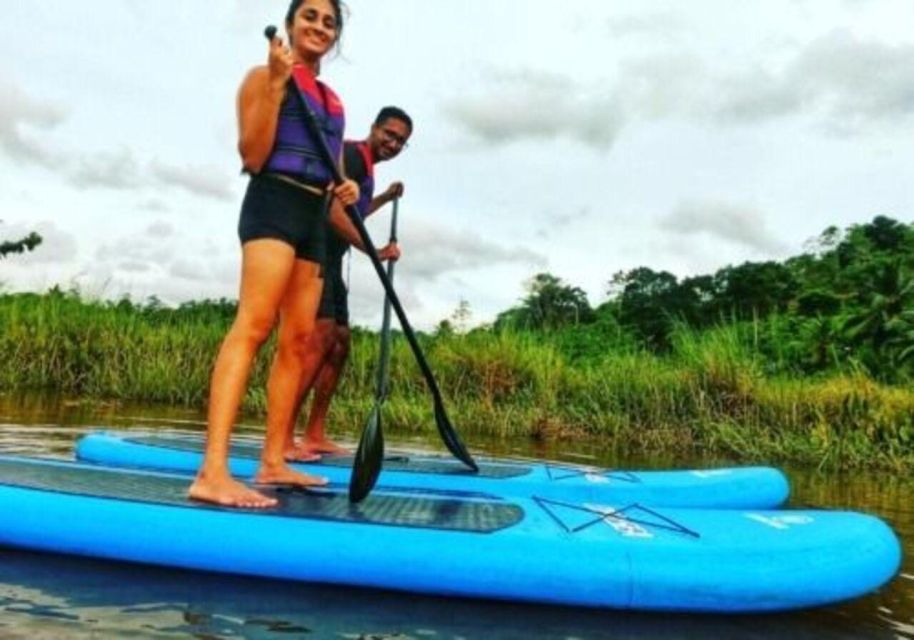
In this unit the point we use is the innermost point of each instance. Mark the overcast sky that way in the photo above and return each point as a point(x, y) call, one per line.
point(580, 138)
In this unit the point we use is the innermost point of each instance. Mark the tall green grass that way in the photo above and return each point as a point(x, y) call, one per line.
point(715, 392)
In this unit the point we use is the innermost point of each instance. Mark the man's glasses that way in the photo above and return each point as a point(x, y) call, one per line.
point(393, 136)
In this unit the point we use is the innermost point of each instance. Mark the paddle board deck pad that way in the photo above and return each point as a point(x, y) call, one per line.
point(530, 549)
point(741, 487)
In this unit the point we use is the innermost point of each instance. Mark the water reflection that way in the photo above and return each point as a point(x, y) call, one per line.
point(62, 596)
point(73, 595)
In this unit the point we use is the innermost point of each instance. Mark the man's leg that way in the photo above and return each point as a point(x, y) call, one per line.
point(324, 389)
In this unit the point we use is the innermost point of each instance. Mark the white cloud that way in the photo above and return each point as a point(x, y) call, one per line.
point(160, 229)
point(132, 267)
point(649, 25)
point(838, 79)
point(208, 182)
point(739, 224)
point(437, 250)
point(856, 82)
point(118, 170)
point(19, 113)
point(536, 105)
point(158, 261)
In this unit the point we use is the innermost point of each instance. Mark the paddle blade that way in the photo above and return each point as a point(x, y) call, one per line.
point(368, 458)
point(451, 439)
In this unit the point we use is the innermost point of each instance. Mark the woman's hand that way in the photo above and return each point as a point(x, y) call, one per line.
point(279, 62)
point(347, 192)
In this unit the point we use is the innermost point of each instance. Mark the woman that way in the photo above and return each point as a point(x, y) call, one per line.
point(282, 231)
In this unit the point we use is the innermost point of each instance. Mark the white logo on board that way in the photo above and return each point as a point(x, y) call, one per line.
point(622, 525)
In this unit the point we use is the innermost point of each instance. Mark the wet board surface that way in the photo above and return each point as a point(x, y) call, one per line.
point(424, 511)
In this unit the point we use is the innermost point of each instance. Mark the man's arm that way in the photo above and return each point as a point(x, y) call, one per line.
point(342, 225)
point(394, 191)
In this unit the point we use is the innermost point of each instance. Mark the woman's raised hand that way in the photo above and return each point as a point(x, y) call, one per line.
point(279, 62)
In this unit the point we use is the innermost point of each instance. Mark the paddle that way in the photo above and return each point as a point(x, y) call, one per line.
point(383, 381)
point(370, 455)
point(445, 429)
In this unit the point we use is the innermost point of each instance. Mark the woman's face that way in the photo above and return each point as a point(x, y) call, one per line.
point(314, 29)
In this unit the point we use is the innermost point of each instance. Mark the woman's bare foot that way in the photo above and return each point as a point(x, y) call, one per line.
point(283, 474)
point(226, 491)
point(322, 445)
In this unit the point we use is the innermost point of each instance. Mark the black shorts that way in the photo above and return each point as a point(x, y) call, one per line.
point(273, 208)
point(334, 297)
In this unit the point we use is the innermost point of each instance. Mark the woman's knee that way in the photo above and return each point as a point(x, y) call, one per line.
point(253, 330)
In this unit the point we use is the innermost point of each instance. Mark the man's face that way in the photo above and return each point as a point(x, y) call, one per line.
point(389, 138)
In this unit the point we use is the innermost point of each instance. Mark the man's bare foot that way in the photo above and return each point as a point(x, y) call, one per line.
point(283, 474)
point(301, 453)
point(228, 492)
point(322, 445)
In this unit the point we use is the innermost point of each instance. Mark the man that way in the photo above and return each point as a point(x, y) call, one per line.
point(388, 137)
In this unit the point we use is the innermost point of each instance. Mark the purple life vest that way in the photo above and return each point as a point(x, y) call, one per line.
point(295, 152)
point(364, 177)
point(366, 184)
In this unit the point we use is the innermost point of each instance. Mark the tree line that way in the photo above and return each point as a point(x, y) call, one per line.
point(846, 302)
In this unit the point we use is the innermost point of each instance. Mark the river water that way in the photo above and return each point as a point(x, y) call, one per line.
point(50, 596)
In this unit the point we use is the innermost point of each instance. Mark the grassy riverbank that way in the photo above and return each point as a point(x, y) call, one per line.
point(711, 391)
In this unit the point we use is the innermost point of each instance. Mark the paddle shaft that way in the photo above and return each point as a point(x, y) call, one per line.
point(372, 252)
point(448, 434)
point(369, 457)
point(383, 381)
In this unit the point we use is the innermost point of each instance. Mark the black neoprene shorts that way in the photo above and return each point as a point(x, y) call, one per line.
point(276, 209)
point(334, 296)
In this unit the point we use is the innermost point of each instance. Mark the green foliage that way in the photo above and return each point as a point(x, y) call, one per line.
point(809, 360)
point(729, 390)
point(650, 302)
point(27, 243)
point(847, 302)
point(549, 304)
point(109, 349)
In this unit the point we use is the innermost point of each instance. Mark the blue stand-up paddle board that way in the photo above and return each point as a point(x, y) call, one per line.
point(526, 549)
point(740, 487)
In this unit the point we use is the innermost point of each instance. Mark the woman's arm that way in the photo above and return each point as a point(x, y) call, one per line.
point(259, 100)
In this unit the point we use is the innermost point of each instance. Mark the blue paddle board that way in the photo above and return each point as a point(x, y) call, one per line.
point(739, 487)
point(525, 549)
